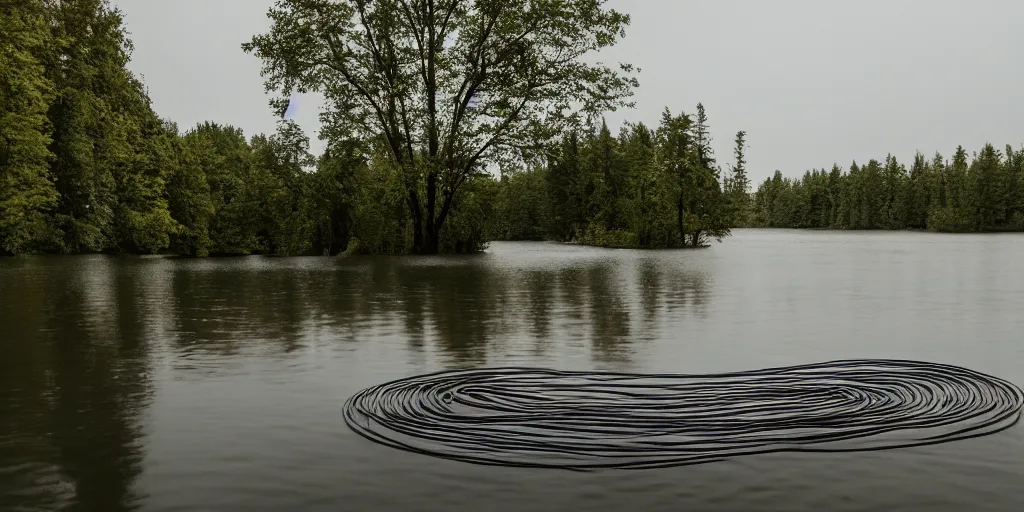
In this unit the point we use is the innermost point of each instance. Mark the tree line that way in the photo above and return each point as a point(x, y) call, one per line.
point(649, 188)
point(86, 165)
point(968, 193)
point(447, 125)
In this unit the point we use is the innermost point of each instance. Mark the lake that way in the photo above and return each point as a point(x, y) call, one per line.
point(163, 384)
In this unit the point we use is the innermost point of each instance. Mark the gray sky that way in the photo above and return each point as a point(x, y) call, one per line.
point(811, 81)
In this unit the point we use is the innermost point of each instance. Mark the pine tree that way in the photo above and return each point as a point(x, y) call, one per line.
point(676, 157)
point(835, 191)
point(986, 191)
point(566, 189)
point(893, 206)
point(738, 183)
point(917, 193)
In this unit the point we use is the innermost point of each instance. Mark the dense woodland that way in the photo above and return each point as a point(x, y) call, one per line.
point(980, 192)
point(87, 166)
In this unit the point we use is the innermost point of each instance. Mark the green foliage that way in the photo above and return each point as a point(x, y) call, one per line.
point(448, 86)
point(645, 188)
point(329, 198)
point(569, 190)
point(189, 197)
point(381, 220)
point(469, 226)
point(737, 185)
point(423, 99)
point(26, 192)
point(983, 194)
point(522, 206)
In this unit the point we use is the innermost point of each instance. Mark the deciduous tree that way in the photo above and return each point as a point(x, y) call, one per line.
point(448, 84)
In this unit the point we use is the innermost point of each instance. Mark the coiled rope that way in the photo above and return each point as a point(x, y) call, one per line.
point(587, 420)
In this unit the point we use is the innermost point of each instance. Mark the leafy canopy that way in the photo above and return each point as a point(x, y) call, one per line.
point(455, 80)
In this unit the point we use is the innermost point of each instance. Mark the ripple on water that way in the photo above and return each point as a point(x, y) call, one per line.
point(585, 420)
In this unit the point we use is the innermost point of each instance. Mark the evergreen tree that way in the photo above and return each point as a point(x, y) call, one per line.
point(677, 157)
point(987, 190)
point(917, 197)
point(738, 183)
point(568, 189)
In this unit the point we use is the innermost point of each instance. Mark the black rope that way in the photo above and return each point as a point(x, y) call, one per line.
point(529, 417)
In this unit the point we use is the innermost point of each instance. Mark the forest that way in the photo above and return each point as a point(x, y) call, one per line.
point(969, 193)
point(87, 165)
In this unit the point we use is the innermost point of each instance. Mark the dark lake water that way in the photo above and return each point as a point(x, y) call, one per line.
point(216, 384)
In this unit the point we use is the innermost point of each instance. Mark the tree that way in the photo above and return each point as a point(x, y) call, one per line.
point(277, 183)
point(702, 139)
point(894, 207)
point(607, 169)
point(648, 205)
point(225, 158)
point(448, 84)
point(568, 191)
point(26, 192)
point(87, 66)
point(987, 192)
point(917, 193)
point(330, 197)
point(675, 146)
point(738, 183)
point(189, 199)
point(685, 152)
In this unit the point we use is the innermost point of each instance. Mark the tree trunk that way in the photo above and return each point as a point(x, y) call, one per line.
point(417, 224)
point(679, 220)
point(432, 241)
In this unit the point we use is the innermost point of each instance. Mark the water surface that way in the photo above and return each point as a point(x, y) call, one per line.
point(149, 383)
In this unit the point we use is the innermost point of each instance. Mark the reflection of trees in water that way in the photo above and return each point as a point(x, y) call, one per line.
point(74, 371)
point(649, 277)
point(30, 477)
point(89, 375)
point(571, 281)
point(220, 306)
point(668, 286)
point(468, 304)
point(685, 291)
point(463, 304)
point(609, 314)
point(540, 296)
point(410, 298)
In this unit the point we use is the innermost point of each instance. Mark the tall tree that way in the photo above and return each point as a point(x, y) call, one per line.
point(26, 192)
point(189, 198)
point(448, 84)
point(918, 193)
point(685, 152)
point(105, 166)
point(677, 157)
point(738, 183)
point(987, 189)
point(225, 157)
point(568, 189)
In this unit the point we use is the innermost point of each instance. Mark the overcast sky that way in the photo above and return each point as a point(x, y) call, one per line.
point(811, 81)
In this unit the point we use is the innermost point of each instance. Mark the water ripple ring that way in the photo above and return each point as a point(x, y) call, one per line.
point(530, 417)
